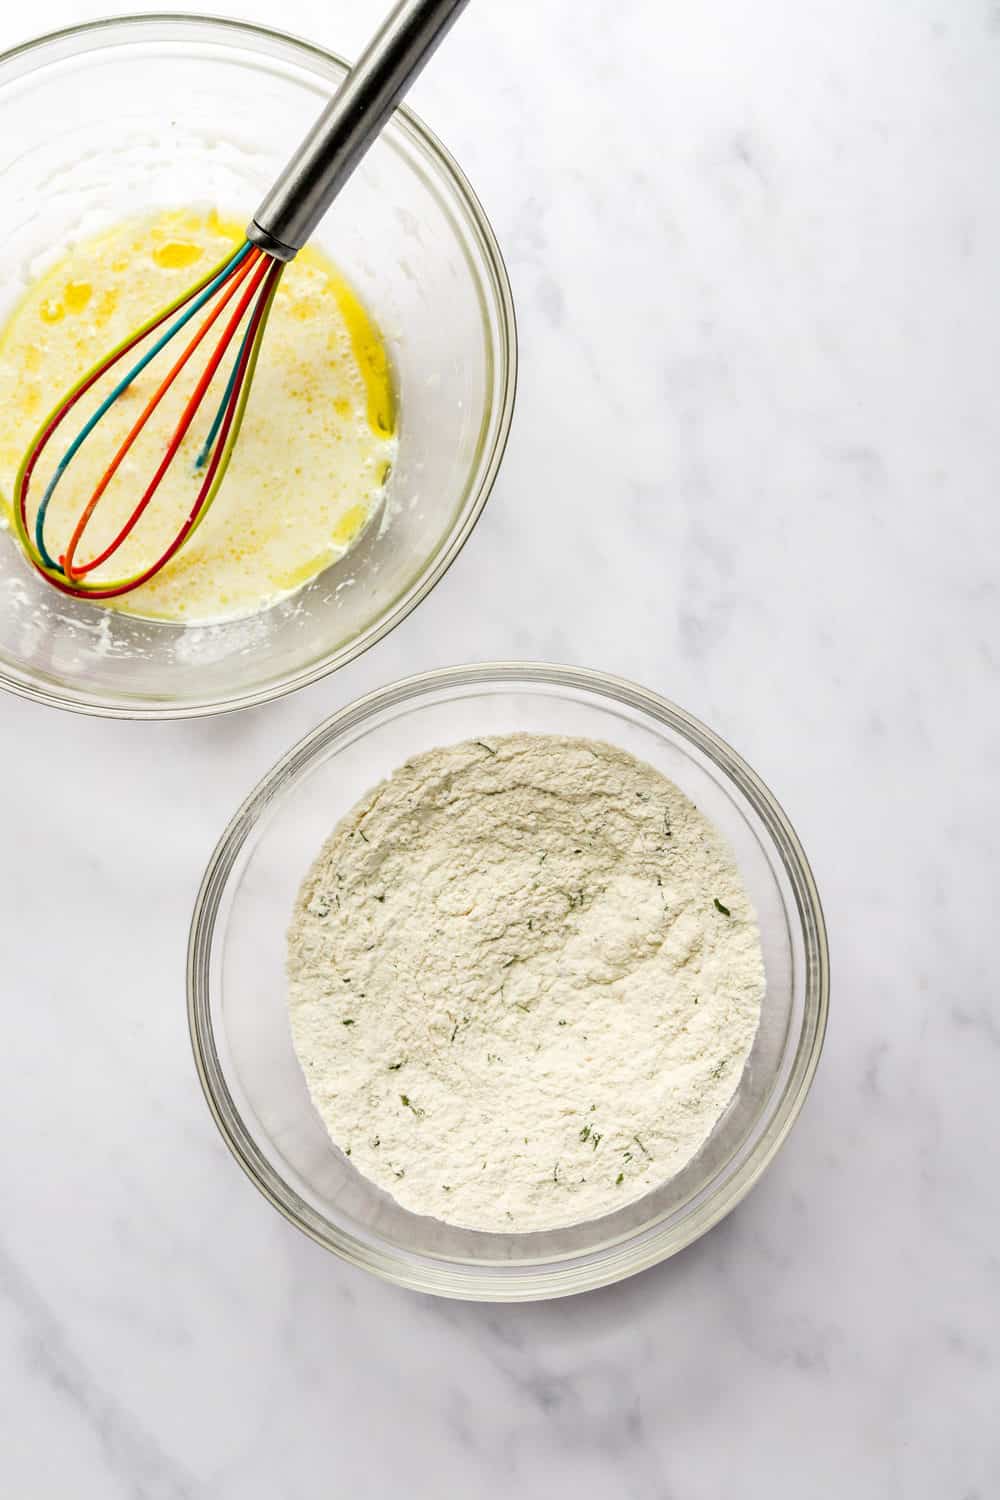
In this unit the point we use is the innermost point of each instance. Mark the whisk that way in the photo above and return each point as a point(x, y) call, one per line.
point(236, 297)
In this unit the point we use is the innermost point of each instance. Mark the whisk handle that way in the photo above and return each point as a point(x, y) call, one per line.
point(349, 123)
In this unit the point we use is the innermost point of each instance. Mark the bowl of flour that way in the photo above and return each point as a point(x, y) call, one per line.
point(508, 981)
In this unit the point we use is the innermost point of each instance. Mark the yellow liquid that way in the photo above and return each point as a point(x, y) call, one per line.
point(317, 441)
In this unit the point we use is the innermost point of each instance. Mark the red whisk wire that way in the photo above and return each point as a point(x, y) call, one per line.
point(227, 422)
point(273, 273)
point(57, 417)
point(256, 263)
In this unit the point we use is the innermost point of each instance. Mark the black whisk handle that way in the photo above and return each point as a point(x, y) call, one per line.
point(349, 124)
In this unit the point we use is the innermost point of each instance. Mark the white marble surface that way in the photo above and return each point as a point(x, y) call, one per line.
point(756, 253)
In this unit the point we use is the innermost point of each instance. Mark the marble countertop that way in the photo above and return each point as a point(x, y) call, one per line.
point(755, 251)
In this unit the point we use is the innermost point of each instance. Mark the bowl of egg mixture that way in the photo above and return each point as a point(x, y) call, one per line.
point(508, 981)
point(134, 152)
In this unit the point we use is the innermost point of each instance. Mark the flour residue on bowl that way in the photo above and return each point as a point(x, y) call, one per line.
point(314, 454)
point(524, 979)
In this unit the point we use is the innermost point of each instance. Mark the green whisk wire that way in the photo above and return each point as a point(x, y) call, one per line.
point(195, 307)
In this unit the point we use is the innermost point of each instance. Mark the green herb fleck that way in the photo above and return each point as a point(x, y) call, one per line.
point(584, 1132)
point(399, 1171)
point(519, 1006)
point(555, 1172)
point(595, 1139)
point(543, 857)
point(562, 1023)
point(719, 907)
point(445, 1187)
point(362, 835)
point(380, 898)
point(483, 746)
point(531, 924)
point(347, 1021)
point(376, 1143)
point(619, 1179)
point(640, 1145)
point(395, 1067)
point(347, 1152)
point(404, 1099)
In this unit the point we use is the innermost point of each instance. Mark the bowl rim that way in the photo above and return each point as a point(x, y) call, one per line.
point(426, 1273)
point(496, 276)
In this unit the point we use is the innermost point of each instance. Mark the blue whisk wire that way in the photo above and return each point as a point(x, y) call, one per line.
point(123, 385)
point(206, 447)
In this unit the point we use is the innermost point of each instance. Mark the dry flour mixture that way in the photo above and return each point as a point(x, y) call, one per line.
point(524, 978)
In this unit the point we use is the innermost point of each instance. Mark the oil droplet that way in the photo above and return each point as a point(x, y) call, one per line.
point(303, 308)
point(77, 295)
point(298, 576)
point(227, 229)
point(371, 355)
point(51, 310)
point(106, 304)
point(349, 524)
point(176, 254)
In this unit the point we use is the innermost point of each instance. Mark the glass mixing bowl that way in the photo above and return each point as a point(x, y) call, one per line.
point(236, 981)
point(124, 116)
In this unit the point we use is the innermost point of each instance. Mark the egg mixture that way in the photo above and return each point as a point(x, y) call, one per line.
point(317, 443)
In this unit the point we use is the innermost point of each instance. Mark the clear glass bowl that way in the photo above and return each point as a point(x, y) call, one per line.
point(119, 117)
point(236, 981)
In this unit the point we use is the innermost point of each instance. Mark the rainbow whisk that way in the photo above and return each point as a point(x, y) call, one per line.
point(224, 313)
point(237, 292)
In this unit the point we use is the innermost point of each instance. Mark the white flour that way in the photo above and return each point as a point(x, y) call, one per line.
point(512, 990)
